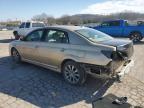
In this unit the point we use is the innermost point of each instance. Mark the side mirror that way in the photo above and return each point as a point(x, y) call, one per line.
point(22, 38)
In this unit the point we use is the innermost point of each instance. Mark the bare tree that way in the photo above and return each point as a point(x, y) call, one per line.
point(79, 19)
point(64, 20)
point(51, 20)
point(41, 17)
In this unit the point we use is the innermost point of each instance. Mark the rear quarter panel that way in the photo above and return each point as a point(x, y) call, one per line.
point(88, 54)
point(85, 51)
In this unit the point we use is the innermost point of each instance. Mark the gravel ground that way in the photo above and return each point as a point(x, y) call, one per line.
point(28, 86)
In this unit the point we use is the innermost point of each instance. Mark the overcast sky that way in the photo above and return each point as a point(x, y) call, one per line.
point(26, 9)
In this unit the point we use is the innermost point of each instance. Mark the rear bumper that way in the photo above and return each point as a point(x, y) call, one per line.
point(109, 71)
point(125, 69)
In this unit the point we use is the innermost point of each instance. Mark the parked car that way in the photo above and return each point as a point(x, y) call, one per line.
point(4, 29)
point(122, 28)
point(75, 52)
point(25, 27)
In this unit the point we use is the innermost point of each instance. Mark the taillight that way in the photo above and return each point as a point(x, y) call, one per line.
point(108, 54)
point(114, 55)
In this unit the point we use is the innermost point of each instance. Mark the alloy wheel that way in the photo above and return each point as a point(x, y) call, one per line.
point(15, 56)
point(135, 37)
point(71, 74)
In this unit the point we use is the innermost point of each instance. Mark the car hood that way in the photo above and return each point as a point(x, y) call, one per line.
point(116, 42)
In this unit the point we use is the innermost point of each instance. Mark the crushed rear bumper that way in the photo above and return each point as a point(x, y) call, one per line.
point(111, 70)
point(125, 69)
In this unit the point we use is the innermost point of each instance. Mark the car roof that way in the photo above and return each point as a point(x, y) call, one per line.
point(66, 27)
point(32, 22)
point(114, 20)
point(61, 27)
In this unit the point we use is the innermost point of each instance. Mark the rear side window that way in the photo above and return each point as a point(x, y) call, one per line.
point(56, 36)
point(22, 25)
point(28, 25)
point(37, 25)
point(35, 36)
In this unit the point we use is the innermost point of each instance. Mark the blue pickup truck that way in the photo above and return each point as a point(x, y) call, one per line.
point(121, 28)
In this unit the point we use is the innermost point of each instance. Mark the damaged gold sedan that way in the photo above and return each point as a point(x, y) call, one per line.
point(74, 51)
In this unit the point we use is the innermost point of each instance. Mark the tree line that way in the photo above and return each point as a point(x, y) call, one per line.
point(10, 23)
point(79, 19)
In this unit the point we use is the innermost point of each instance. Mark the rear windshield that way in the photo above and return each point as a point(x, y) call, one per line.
point(94, 35)
point(38, 25)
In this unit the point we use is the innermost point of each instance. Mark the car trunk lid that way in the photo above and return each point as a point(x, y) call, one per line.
point(124, 47)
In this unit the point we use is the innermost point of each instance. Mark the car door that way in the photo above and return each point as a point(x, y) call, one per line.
point(29, 46)
point(24, 28)
point(103, 27)
point(112, 28)
point(54, 49)
point(115, 28)
point(21, 28)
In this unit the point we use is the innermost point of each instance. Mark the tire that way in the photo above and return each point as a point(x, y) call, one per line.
point(15, 56)
point(73, 73)
point(136, 37)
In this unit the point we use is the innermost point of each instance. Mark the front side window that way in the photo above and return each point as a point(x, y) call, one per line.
point(93, 35)
point(22, 25)
point(105, 24)
point(56, 36)
point(28, 25)
point(115, 23)
point(35, 36)
point(112, 23)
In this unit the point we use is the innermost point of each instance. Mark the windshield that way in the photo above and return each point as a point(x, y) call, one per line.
point(94, 35)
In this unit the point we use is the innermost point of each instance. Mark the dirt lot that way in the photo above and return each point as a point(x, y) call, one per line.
point(28, 86)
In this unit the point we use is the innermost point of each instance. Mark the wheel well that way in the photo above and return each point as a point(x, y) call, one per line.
point(66, 60)
point(12, 49)
point(136, 32)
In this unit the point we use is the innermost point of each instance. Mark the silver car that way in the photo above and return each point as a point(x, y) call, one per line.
point(74, 51)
